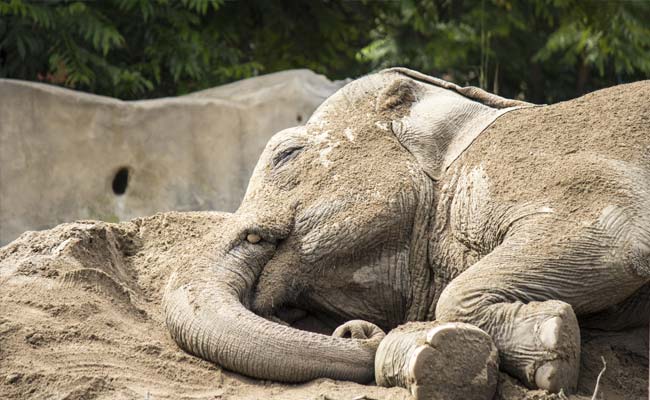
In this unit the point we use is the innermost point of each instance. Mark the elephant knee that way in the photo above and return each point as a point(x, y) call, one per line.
point(462, 304)
point(452, 305)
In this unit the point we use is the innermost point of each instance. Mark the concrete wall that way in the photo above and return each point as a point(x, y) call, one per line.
point(60, 150)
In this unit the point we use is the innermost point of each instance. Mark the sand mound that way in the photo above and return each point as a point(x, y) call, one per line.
point(81, 319)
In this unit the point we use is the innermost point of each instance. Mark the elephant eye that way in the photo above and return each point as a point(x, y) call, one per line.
point(286, 155)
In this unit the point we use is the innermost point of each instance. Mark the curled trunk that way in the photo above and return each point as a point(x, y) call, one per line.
point(205, 316)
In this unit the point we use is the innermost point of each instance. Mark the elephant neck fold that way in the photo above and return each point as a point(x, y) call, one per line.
point(422, 273)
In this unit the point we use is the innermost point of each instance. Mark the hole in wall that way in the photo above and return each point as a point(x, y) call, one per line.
point(121, 181)
point(299, 118)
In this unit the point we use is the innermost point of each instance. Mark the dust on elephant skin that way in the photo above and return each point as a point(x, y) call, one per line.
point(431, 227)
point(407, 198)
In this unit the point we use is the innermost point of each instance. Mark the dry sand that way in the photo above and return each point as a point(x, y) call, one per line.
point(81, 319)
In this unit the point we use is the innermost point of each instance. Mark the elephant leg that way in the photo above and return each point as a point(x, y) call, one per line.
point(439, 361)
point(527, 292)
point(633, 312)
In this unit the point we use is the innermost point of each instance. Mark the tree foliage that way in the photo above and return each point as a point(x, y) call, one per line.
point(541, 50)
point(152, 48)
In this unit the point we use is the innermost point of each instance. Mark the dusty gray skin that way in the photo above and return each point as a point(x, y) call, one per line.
point(367, 213)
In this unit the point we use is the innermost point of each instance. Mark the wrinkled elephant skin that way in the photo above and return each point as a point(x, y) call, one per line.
point(408, 198)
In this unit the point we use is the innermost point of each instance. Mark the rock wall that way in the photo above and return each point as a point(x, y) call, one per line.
point(67, 155)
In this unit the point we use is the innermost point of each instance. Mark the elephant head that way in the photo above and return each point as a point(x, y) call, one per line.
point(335, 226)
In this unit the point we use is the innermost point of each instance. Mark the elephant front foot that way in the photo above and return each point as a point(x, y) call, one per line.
point(555, 349)
point(439, 361)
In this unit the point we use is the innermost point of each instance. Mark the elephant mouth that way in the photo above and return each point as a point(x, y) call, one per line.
point(276, 300)
point(305, 319)
point(271, 299)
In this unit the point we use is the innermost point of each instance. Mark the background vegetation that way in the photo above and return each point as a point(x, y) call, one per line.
point(539, 50)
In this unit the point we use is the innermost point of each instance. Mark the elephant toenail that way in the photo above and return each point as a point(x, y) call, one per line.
point(253, 238)
point(556, 375)
point(545, 376)
point(549, 332)
point(437, 334)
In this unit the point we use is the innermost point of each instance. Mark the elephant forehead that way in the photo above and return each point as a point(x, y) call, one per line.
point(324, 142)
point(352, 136)
point(356, 93)
point(352, 111)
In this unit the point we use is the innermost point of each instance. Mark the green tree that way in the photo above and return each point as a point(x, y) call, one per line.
point(153, 48)
point(539, 50)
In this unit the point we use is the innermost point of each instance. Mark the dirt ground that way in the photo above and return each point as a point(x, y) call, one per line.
point(80, 318)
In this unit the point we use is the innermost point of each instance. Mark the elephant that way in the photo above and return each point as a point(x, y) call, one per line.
point(409, 205)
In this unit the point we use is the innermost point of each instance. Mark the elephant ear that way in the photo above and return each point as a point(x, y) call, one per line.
point(437, 120)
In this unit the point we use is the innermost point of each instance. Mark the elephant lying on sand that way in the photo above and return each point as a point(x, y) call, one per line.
point(392, 205)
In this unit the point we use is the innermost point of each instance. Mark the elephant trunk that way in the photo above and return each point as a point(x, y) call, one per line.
point(206, 317)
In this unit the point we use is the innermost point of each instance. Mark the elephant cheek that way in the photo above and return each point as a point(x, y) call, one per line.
point(383, 302)
point(278, 284)
point(364, 293)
